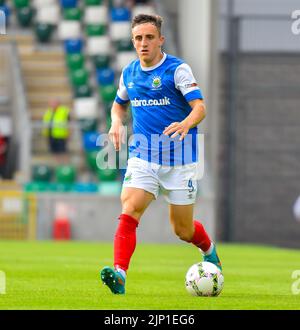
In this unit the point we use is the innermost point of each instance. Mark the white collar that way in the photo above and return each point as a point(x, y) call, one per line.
point(148, 68)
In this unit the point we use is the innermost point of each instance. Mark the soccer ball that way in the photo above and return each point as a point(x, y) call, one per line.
point(204, 279)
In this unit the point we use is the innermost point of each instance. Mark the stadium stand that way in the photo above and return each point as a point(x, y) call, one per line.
point(73, 50)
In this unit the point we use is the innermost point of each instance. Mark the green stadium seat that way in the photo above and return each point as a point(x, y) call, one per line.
point(25, 16)
point(101, 61)
point(124, 45)
point(107, 108)
point(107, 174)
point(42, 173)
point(79, 77)
point(43, 32)
point(35, 186)
point(91, 159)
point(75, 61)
point(93, 2)
point(59, 187)
point(83, 91)
point(110, 188)
point(108, 92)
point(108, 123)
point(21, 3)
point(95, 30)
point(88, 125)
point(72, 14)
point(65, 174)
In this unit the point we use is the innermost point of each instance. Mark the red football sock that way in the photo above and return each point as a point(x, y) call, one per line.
point(125, 241)
point(201, 238)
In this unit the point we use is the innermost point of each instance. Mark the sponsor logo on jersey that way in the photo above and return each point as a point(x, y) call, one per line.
point(156, 82)
point(190, 85)
point(150, 102)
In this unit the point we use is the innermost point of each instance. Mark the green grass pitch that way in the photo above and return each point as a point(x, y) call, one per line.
point(65, 275)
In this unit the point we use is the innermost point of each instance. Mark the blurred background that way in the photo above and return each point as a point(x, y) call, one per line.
point(60, 63)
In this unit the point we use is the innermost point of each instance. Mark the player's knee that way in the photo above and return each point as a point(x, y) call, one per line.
point(184, 234)
point(130, 208)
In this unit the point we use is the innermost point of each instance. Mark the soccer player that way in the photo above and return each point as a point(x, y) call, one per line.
point(167, 104)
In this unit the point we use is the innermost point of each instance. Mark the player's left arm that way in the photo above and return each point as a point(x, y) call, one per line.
point(186, 83)
point(195, 117)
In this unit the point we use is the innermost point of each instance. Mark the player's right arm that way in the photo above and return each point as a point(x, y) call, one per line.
point(118, 114)
point(117, 129)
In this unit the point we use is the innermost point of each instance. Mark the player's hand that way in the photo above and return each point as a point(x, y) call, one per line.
point(117, 134)
point(177, 128)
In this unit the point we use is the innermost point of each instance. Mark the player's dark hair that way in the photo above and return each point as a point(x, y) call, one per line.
point(156, 20)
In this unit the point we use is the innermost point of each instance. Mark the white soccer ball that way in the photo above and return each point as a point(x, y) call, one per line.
point(204, 279)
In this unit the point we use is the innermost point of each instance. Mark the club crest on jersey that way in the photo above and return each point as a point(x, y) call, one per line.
point(156, 82)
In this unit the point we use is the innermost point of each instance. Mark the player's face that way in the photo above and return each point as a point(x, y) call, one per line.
point(147, 41)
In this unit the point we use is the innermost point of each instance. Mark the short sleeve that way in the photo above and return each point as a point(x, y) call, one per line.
point(186, 83)
point(122, 95)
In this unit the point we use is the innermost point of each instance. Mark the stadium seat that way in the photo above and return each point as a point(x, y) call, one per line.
point(107, 174)
point(69, 30)
point(93, 2)
point(90, 141)
point(142, 9)
point(86, 108)
point(52, 187)
point(112, 188)
point(79, 77)
point(43, 32)
point(32, 187)
point(84, 187)
point(108, 122)
point(95, 30)
point(59, 187)
point(120, 30)
point(75, 61)
point(25, 16)
point(98, 46)
point(41, 173)
point(88, 125)
point(21, 3)
point(96, 15)
point(123, 58)
point(65, 174)
point(73, 46)
point(69, 3)
point(91, 159)
point(124, 45)
point(48, 15)
point(101, 61)
point(107, 108)
point(43, 3)
point(120, 14)
point(82, 91)
point(72, 14)
point(105, 76)
point(108, 92)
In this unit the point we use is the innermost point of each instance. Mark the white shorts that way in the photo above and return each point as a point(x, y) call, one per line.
point(177, 184)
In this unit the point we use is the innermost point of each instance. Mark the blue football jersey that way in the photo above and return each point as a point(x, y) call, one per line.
point(159, 96)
